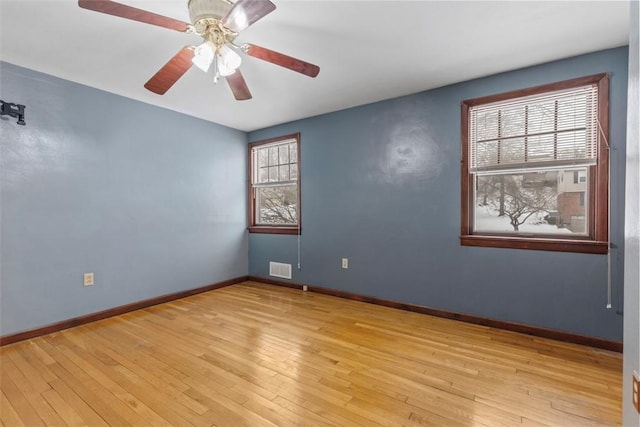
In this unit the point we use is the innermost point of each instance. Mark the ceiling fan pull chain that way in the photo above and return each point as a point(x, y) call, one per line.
point(216, 74)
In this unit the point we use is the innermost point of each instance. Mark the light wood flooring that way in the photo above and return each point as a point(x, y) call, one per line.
point(259, 355)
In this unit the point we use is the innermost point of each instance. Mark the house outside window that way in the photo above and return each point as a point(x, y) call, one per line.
point(535, 168)
point(274, 185)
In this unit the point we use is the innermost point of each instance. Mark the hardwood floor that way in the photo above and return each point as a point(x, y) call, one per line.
point(257, 355)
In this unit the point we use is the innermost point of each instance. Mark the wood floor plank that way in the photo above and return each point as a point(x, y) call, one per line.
point(62, 408)
point(89, 416)
point(154, 378)
point(19, 402)
point(260, 355)
point(29, 391)
point(9, 415)
point(109, 406)
point(105, 379)
point(221, 414)
point(31, 364)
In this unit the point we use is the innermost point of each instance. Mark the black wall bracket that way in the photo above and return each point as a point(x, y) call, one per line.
point(13, 110)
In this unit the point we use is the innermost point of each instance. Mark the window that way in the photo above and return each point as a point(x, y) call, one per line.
point(579, 176)
point(535, 168)
point(274, 185)
point(582, 176)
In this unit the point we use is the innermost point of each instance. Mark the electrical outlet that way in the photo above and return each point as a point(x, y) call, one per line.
point(305, 288)
point(88, 279)
point(636, 391)
point(345, 262)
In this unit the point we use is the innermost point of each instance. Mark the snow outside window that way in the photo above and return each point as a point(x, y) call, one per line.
point(535, 167)
point(274, 185)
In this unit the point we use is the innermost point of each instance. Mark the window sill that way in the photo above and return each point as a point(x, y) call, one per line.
point(265, 229)
point(540, 244)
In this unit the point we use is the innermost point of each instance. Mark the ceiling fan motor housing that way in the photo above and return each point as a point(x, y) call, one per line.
point(208, 9)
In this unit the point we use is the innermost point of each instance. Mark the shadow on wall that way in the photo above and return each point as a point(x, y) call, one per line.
point(409, 150)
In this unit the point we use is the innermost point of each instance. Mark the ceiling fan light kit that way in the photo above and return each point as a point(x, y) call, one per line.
point(218, 22)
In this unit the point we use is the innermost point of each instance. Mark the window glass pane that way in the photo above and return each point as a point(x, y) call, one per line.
point(571, 145)
point(512, 151)
point(540, 203)
point(277, 163)
point(283, 153)
point(273, 156)
point(486, 125)
point(263, 158)
point(572, 112)
point(263, 175)
point(513, 121)
point(542, 148)
point(284, 173)
point(273, 174)
point(487, 153)
point(276, 205)
point(541, 116)
point(293, 152)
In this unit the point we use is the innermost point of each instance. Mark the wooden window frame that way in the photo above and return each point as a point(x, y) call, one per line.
point(597, 237)
point(273, 228)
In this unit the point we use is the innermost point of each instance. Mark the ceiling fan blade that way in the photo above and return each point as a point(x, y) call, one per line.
point(133, 13)
point(281, 59)
point(246, 12)
point(238, 86)
point(170, 72)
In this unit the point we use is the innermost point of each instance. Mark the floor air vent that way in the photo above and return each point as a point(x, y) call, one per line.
point(278, 269)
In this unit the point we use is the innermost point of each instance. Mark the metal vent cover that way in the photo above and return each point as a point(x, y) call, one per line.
point(278, 269)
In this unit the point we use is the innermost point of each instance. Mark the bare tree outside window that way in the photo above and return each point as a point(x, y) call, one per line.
point(274, 185)
point(277, 205)
point(535, 167)
point(509, 196)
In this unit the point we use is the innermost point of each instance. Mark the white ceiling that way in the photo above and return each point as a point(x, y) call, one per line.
point(367, 50)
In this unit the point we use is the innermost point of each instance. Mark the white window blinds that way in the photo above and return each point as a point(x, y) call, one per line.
point(540, 131)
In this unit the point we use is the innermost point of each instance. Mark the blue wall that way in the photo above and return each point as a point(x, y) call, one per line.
point(151, 201)
point(154, 202)
point(381, 186)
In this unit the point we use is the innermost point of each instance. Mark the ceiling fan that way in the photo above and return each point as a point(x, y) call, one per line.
point(218, 22)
